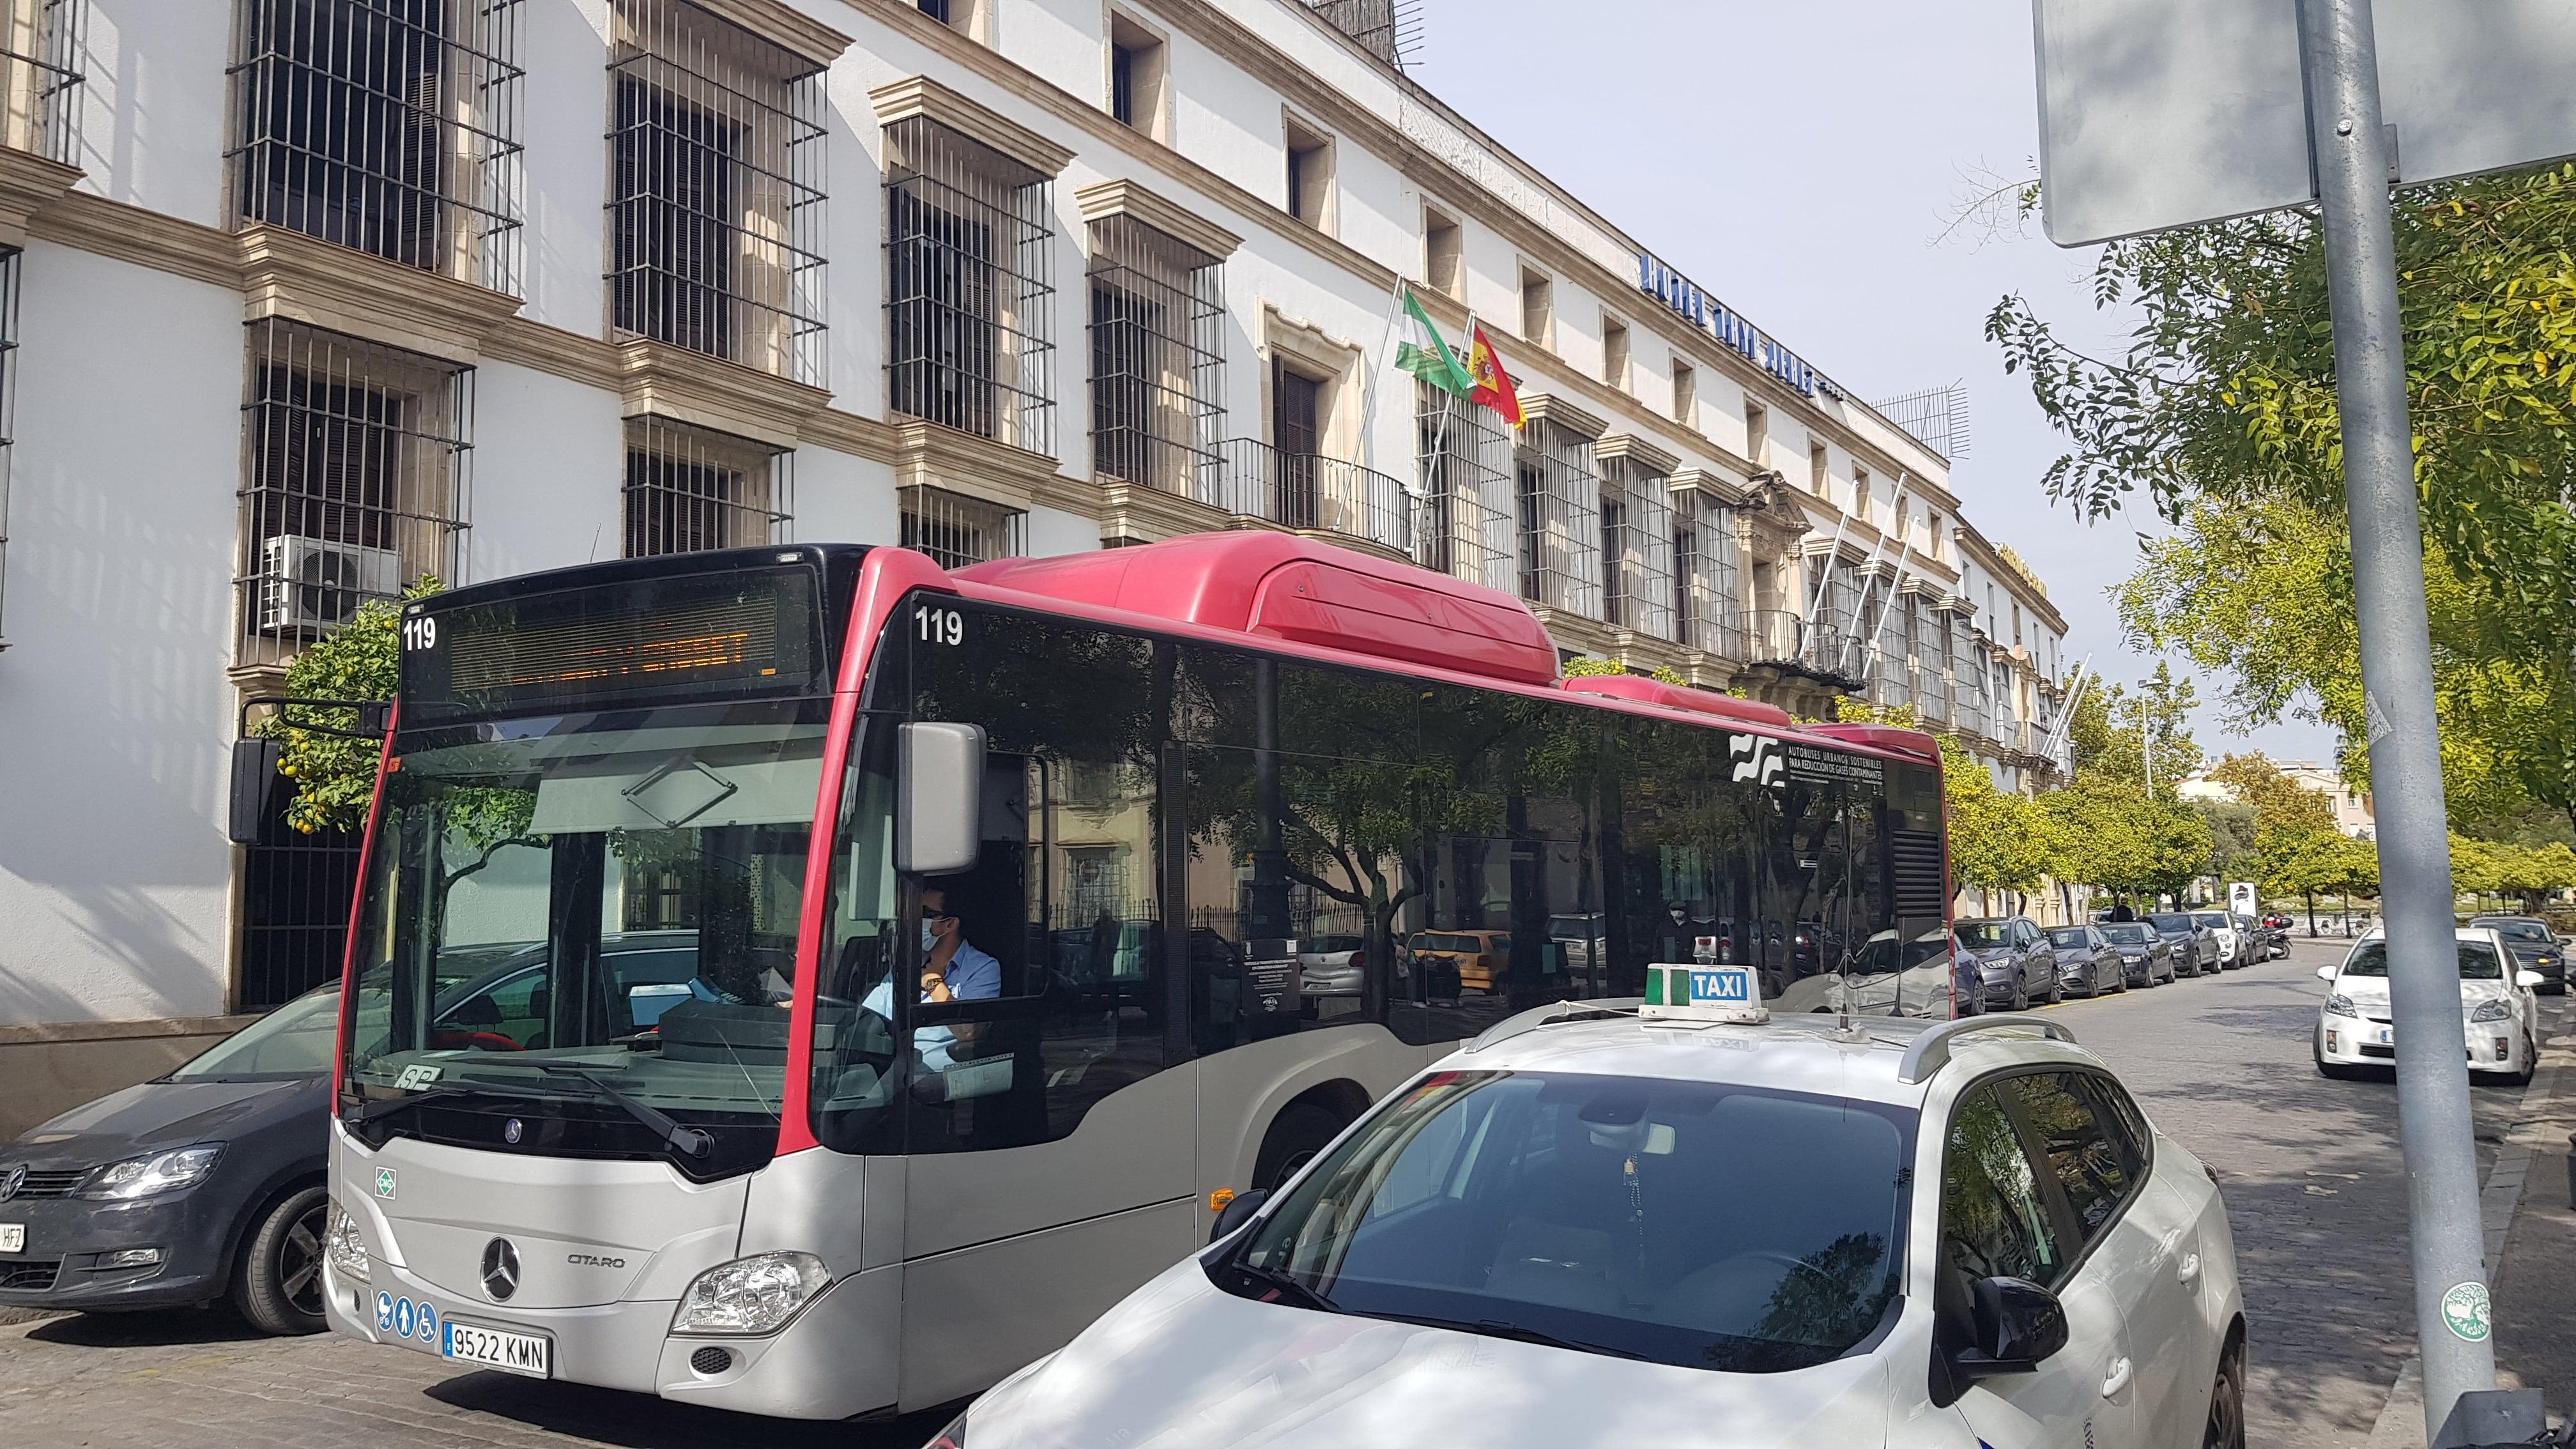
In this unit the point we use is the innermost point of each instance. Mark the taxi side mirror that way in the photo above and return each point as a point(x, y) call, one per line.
point(1238, 1212)
point(2019, 1325)
point(2527, 978)
point(2325, 973)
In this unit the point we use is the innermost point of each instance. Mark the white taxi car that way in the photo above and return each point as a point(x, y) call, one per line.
point(1595, 1227)
point(2499, 1016)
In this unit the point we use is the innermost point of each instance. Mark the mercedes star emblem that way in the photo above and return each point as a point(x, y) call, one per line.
point(510, 1131)
point(500, 1269)
point(12, 1180)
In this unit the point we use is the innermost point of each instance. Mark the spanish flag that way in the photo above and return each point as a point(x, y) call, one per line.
point(1492, 385)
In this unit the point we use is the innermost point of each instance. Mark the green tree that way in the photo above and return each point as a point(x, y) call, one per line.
point(335, 775)
point(2220, 413)
point(2118, 727)
point(2314, 862)
point(2231, 837)
point(2107, 833)
point(1579, 668)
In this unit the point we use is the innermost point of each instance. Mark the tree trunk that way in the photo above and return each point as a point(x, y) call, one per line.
point(2312, 913)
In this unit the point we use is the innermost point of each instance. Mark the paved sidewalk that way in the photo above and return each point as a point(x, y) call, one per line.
point(2530, 1246)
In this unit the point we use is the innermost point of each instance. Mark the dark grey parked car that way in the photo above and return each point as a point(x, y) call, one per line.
point(2013, 960)
point(2195, 946)
point(2146, 959)
point(2086, 964)
point(2535, 948)
point(203, 1184)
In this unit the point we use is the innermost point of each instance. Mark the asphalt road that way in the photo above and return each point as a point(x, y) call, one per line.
point(2310, 1169)
point(2311, 1172)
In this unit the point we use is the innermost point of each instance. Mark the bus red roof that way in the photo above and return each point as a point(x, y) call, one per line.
point(1295, 589)
point(1886, 737)
point(1670, 696)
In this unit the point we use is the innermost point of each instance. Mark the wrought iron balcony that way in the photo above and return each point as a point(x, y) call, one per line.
point(1309, 491)
point(40, 71)
point(1817, 648)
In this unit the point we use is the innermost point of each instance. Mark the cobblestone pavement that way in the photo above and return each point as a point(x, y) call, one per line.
point(2314, 1182)
point(2310, 1169)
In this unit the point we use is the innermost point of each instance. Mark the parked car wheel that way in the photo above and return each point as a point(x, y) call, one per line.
point(2056, 988)
point(278, 1283)
point(2226, 1428)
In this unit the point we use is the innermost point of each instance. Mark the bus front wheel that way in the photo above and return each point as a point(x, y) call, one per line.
point(1295, 1136)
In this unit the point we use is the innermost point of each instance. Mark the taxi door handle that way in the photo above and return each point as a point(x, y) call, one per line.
point(2189, 1272)
point(2117, 1379)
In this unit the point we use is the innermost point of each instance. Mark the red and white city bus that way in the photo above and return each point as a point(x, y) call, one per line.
point(640, 1083)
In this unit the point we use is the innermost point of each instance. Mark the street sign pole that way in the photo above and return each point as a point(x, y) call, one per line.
point(2339, 61)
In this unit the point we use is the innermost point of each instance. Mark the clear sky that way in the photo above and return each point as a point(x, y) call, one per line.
point(1799, 160)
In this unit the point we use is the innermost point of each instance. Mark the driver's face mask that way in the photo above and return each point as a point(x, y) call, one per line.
point(929, 937)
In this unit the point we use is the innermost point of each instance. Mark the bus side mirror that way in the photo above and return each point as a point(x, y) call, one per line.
point(254, 777)
point(940, 788)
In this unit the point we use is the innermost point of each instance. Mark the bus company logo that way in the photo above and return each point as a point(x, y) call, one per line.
point(1757, 758)
point(500, 1269)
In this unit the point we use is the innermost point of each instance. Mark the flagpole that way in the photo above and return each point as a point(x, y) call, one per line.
point(1440, 432)
point(1368, 392)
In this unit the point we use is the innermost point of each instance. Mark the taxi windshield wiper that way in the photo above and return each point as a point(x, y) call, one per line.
point(688, 1141)
point(1518, 1333)
point(1285, 1285)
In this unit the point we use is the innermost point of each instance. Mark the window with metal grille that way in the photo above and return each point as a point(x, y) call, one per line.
point(1462, 522)
point(355, 480)
point(1706, 570)
point(715, 208)
point(1157, 357)
point(958, 531)
point(391, 126)
point(690, 488)
point(1637, 549)
point(970, 286)
point(8, 413)
point(1559, 519)
point(40, 76)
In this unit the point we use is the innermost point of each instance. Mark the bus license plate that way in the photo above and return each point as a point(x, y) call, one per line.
point(13, 1237)
point(511, 1353)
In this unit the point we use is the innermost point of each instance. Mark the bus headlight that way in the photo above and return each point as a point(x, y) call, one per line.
point(751, 1295)
point(342, 1248)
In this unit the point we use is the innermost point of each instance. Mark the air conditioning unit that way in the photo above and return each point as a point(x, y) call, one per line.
point(312, 585)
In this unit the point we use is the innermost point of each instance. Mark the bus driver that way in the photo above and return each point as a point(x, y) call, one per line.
point(952, 969)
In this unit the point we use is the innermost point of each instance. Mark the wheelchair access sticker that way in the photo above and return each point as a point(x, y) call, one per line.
point(404, 1318)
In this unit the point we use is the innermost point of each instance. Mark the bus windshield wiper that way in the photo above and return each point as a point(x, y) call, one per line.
point(1285, 1284)
point(386, 1107)
point(688, 1141)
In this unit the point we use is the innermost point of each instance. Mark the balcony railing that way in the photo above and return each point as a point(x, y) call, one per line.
point(1309, 491)
point(1819, 649)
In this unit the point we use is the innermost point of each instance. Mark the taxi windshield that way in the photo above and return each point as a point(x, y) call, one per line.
point(1695, 1224)
point(2477, 961)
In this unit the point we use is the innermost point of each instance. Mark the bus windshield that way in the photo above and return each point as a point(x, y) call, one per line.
point(567, 918)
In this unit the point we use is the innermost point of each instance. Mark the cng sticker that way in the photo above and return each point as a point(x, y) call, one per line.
point(384, 1182)
point(2466, 1311)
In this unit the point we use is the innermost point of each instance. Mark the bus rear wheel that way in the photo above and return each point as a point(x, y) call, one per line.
point(1295, 1136)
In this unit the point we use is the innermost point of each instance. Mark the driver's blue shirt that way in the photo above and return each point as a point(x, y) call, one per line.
point(972, 975)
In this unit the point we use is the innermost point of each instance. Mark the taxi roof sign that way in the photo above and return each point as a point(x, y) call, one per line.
point(1703, 993)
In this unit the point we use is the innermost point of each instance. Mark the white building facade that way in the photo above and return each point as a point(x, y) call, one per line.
point(310, 299)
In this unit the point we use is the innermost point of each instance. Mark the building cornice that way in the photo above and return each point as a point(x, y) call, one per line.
point(711, 393)
point(1637, 450)
point(1130, 198)
point(928, 454)
point(919, 95)
point(29, 184)
point(1560, 411)
point(1716, 487)
point(340, 289)
point(1135, 512)
point(782, 25)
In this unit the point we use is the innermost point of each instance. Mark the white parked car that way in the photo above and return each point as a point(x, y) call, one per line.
point(2232, 951)
point(1589, 1228)
point(2499, 1016)
point(1332, 966)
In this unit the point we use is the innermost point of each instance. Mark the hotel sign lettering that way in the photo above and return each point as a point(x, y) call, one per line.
point(1684, 297)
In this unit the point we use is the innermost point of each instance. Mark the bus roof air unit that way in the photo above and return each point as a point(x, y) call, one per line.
point(1302, 592)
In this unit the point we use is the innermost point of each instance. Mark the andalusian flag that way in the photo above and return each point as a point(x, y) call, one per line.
point(1434, 363)
point(1492, 385)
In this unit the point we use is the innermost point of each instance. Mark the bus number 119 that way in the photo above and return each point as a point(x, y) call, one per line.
point(940, 626)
